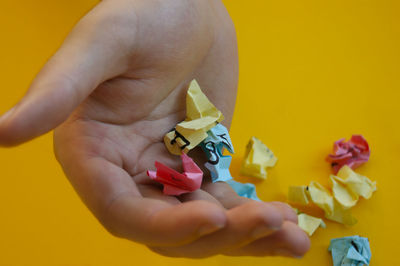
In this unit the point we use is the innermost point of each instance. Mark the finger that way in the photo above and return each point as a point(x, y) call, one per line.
point(245, 224)
point(290, 241)
point(286, 210)
point(87, 57)
point(199, 195)
point(153, 223)
point(224, 193)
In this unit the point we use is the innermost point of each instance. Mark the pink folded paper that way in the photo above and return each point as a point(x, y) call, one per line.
point(353, 153)
point(174, 182)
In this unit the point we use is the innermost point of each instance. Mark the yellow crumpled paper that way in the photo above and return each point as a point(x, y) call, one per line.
point(347, 186)
point(298, 194)
point(342, 194)
point(321, 197)
point(341, 215)
point(257, 158)
point(309, 223)
point(332, 208)
point(356, 183)
point(201, 116)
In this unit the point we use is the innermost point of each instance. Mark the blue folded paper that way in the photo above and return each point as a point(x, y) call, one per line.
point(350, 251)
point(218, 164)
point(246, 190)
point(220, 171)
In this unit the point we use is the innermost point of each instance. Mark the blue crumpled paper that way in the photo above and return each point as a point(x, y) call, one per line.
point(246, 190)
point(218, 164)
point(220, 171)
point(350, 251)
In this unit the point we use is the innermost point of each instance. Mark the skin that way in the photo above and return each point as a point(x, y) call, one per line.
point(112, 91)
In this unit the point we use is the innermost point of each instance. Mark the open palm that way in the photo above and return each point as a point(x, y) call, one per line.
point(117, 85)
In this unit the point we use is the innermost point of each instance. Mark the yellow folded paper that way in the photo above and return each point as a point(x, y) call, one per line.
point(257, 158)
point(201, 116)
point(321, 197)
point(298, 194)
point(347, 186)
point(357, 183)
point(198, 105)
point(342, 194)
point(309, 223)
point(332, 208)
point(175, 142)
point(341, 215)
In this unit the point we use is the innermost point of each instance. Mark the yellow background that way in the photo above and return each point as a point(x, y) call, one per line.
point(311, 72)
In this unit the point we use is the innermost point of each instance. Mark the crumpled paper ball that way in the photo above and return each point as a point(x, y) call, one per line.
point(353, 153)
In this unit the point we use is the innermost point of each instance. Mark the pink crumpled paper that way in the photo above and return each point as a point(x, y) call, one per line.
point(176, 183)
point(353, 153)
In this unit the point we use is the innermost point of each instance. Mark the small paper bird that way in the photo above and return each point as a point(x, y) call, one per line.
point(174, 182)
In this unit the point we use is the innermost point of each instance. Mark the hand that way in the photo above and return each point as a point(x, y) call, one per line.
point(117, 85)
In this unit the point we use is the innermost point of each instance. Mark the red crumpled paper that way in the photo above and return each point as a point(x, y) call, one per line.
point(353, 153)
point(176, 183)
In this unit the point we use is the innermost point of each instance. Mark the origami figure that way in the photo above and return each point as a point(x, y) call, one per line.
point(257, 158)
point(218, 138)
point(347, 187)
point(355, 183)
point(201, 116)
point(333, 209)
point(174, 182)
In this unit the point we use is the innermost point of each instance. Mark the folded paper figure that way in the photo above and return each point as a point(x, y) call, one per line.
point(298, 194)
point(350, 251)
point(347, 187)
point(246, 190)
point(174, 182)
point(341, 215)
point(352, 153)
point(220, 171)
point(201, 116)
point(342, 194)
point(198, 106)
point(309, 223)
point(356, 183)
point(257, 158)
point(321, 197)
point(218, 138)
point(333, 209)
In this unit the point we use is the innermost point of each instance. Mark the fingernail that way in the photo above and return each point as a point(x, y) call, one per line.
point(261, 231)
point(209, 228)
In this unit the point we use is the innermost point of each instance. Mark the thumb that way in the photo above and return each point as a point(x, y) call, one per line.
point(89, 56)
